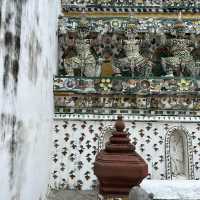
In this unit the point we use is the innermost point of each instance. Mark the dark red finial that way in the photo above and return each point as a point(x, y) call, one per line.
point(119, 125)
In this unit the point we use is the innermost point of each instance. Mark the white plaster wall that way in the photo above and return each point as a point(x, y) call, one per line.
point(149, 136)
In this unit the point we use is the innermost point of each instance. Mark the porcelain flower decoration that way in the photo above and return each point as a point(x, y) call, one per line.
point(105, 84)
point(184, 85)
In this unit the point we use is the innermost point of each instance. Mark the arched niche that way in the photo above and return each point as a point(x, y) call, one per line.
point(105, 134)
point(178, 153)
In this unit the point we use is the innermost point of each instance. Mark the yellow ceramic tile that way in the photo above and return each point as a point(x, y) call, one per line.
point(106, 69)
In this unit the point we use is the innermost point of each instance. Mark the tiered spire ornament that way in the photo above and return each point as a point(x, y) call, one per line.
point(118, 167)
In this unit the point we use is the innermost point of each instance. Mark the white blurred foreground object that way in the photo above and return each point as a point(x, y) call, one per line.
point(28, 58)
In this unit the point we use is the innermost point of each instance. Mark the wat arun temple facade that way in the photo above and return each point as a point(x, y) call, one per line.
point(135, 58)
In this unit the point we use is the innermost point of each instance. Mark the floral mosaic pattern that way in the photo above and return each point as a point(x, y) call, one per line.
point(126, 85)
point(75, 147)
point(76, 144)
point(126, 24)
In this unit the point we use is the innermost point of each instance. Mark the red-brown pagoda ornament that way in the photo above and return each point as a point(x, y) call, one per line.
point(118, 167)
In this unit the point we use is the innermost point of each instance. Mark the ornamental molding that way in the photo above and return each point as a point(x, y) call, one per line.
point(130, 6)
point(93, 117)
point(123, 22)
point(75, 12)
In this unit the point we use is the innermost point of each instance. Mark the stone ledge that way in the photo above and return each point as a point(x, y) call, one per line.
point(162, 190)
point(173, 189)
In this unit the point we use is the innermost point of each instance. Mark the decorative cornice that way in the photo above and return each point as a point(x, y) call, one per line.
point(117, 22)
point(109, 8)
point(93, 117)
point(154, 85)
point(75, 12)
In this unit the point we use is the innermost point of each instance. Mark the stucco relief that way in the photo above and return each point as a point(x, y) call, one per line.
point(178, 149)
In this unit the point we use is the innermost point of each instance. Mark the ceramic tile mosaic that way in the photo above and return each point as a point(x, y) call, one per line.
point(131, 5)
point(142, 67)
point(126, 85)
point(138, 53)
point(126, 23)
point(164, 105)
point(76, 143)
